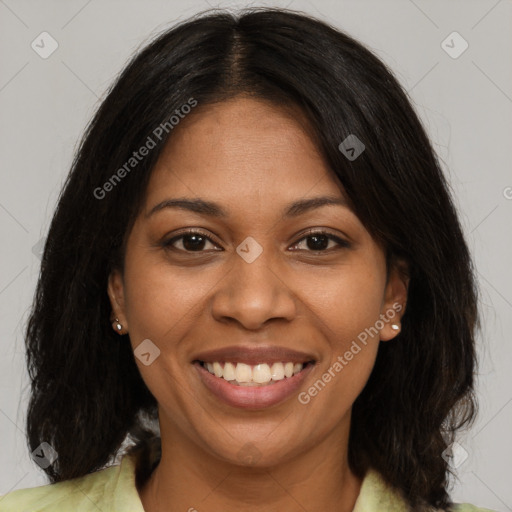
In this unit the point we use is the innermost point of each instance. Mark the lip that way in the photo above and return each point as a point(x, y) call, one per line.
point(252, 397)
point(254, 355)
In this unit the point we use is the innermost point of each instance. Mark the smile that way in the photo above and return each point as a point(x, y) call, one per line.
point(236, 384)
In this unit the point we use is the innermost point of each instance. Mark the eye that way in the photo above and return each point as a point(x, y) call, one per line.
point(319, 241)
point(190, 241)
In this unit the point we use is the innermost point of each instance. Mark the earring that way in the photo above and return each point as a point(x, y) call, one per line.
point(395, 327)
point(117, 326)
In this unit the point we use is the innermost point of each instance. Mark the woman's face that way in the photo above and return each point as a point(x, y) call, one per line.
point(254, 285)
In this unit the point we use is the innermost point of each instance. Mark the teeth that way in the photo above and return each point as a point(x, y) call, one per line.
point(243, 373)
point(277, 371)
point(260, 374)
point(228, 372)
point(217, 369)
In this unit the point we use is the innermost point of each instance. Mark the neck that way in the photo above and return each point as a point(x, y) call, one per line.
point(189, 478)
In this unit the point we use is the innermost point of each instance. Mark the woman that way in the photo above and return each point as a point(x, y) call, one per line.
point(257, 254)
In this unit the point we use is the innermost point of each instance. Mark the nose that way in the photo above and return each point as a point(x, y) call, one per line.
point(254, 293)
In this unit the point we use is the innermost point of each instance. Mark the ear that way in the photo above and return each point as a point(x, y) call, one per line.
point(115, 290)
point(395, 299)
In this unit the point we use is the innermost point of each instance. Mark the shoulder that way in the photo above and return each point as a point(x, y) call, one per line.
point(70, 494)
point(467, 507)
point(112, 488)
point(377, 496)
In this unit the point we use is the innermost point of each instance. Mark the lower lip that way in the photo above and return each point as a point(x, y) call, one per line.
point(252, 397)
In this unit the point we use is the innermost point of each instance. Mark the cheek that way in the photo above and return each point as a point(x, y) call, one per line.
point(345, 302)
point(347, 309)
point(160, 301)
point(146, 303)
point(162, 305)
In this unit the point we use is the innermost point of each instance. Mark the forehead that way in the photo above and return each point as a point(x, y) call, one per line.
point(246, 148)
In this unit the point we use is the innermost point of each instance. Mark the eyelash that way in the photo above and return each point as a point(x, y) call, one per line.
point(342, 244)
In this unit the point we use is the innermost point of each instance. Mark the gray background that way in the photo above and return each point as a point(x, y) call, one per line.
point(464, 102)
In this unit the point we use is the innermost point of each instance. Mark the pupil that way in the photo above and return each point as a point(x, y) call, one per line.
point(316, 246)
point(197, 243)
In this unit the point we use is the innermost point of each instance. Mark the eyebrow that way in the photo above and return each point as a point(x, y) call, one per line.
point(212, 209)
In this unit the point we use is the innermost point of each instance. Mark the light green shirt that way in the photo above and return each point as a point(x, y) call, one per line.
point(113, 490)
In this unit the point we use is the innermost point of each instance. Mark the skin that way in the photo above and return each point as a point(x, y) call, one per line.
point(253, 159)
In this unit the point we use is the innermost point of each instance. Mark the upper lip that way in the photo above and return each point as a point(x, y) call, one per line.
point(254, 355)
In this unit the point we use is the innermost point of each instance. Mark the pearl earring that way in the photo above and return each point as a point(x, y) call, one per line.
point(395, 327)
point(116, 325)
